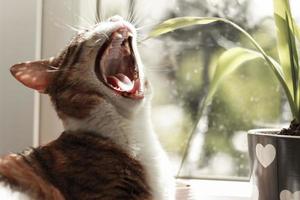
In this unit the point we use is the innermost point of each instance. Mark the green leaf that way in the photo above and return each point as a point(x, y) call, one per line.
point(286, 44)
point(181, 22)
point(228, 62)
point(293, 56)
point(176, 23)
point(235, 58)
point(298, 32)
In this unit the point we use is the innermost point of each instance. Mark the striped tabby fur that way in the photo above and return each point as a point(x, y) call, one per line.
point(58, 170)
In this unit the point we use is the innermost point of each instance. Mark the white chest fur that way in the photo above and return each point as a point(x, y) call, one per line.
point(7, 193)
point(136, 136)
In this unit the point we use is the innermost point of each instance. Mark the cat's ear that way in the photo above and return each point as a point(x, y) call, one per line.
point(36, 75)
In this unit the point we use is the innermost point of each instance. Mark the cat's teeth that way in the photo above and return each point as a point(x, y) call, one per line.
point(118, 35)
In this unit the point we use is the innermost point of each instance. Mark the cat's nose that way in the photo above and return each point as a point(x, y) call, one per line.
point(115, 18)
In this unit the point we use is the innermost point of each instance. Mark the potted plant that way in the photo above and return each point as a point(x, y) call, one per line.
point(275, 164)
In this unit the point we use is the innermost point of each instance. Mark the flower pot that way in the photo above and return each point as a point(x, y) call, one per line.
point(275, 165)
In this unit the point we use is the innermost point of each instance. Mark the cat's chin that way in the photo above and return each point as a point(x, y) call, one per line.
point(116, 65)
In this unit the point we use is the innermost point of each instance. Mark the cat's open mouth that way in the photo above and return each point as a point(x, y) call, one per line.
point(116, 65)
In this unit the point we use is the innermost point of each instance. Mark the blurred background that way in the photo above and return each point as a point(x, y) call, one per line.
point(179, 64)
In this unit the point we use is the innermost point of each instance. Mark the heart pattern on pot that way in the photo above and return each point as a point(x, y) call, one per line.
point(287, 195)
point(265, 155)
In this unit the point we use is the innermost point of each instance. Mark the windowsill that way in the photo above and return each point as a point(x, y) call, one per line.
point(219, 190)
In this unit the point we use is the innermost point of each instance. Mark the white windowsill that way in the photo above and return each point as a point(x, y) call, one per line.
point(220, 190)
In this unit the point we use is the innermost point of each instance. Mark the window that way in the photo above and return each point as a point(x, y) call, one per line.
point(179, 65)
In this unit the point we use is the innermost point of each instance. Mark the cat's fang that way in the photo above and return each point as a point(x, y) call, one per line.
point(118, 35)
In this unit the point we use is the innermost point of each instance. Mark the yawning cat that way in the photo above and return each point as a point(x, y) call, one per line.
point(108, 150)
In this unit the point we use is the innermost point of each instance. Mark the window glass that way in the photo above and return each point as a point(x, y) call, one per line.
point(180, 65)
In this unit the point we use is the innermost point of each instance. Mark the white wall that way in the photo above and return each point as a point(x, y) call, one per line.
point(17, 43)
point(20, 41)
point(57, 15)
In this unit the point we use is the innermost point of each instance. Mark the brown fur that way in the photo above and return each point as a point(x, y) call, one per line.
point(75, 101)
point(81, 166)
point(21, 176)
point(70, 92)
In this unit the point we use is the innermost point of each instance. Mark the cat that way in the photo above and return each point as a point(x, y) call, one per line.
point(108, 150)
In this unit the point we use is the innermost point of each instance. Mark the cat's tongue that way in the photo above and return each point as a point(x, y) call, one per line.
point(121, 82)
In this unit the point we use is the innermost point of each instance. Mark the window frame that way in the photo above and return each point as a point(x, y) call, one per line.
point(219, 190)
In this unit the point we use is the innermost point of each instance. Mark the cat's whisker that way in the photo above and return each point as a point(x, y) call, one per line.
point(145, 26)
point(163, 70)
point(135, 19)
point(128, 15)
point(99, 11)
point(73, 28)
point(139, 21)
point(97, 17)
point(140, 33)
point(160, 68)
point(157, 67)
point(85, 21)
point(131, 12)
point(58, 23)
point(64, 26)
point(77, 28)
point(102, 19)
point(134, 13)
point(98, 14)
point(139, 18)
point(141, 38)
